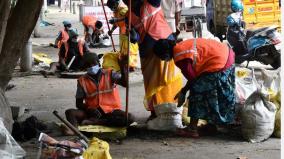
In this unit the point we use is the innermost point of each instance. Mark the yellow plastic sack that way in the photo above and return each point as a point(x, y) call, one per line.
point(110, 61)
point(98, 149)
point(41, 57)
point(277, 125)
point(104, 132)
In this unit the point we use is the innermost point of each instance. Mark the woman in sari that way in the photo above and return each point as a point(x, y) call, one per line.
point(208, 66)
point(162, 80)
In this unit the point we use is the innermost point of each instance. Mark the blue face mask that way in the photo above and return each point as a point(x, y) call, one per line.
point(93, 70)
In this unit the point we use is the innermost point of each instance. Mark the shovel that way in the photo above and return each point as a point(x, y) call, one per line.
point(70, 63)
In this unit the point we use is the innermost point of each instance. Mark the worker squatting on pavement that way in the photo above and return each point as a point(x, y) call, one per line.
point(97, 96)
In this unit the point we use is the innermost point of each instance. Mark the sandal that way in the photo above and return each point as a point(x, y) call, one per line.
point(187, 132)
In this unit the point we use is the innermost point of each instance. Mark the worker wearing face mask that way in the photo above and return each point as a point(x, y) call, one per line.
point(97, 97)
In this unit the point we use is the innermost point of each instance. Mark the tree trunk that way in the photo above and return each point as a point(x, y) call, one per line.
point(13, 35)
point(4, 12)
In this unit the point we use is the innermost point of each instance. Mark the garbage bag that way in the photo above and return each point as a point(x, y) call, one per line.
point(258, 117)
point(30, 128)
point(98, 149)
point(110, 61)
point(271, 86)
point(270, 82)
point(9, 148)
point(246, 84)
point(168, 118)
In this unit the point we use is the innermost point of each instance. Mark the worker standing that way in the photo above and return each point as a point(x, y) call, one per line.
point(162, 80)
point(172, 11)
point(119, 10)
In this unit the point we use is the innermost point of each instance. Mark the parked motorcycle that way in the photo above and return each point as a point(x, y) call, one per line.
point(261, 45)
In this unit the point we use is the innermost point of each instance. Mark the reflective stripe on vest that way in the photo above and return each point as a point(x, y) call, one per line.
point(104, 94)
point(148, 15)
point(108, 90)
point(152, 22)
point(194, 51)
point(210, 55)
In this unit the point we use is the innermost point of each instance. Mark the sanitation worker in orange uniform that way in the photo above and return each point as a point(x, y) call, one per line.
point(93, 28)
point(208, 65)
point(97, 97)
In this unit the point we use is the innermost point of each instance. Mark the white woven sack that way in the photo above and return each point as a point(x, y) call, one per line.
point(257, 116)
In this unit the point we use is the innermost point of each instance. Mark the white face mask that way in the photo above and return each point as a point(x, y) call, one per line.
point(93, 70)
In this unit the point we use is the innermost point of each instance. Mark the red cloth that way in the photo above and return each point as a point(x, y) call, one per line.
point(187, 69)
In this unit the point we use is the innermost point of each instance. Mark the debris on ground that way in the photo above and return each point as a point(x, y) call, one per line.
point(165, 143)
point(30, 128)
point(45, 23)
point(41, 58)
point(9, 148)
point(9, 87)
point(50, 147)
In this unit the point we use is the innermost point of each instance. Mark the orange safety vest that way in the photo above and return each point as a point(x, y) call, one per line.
point(89, 21)
point(64, 39)
point(117, 14)
point(104, 95)
point(207, 55)
point(152, 22)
